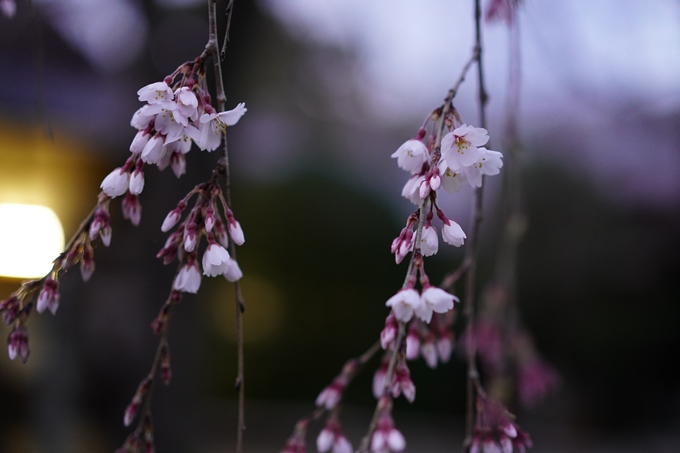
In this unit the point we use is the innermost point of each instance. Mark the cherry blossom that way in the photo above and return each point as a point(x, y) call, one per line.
point(404, 303)
point(215, 260)
point(452, 233)
point(411, 155)
point(188, 278)
point(459, 148)
point(429, 241)
point(452, 180)
point(434, 299)
point(212, 125)
point(233, 273)
point(155, 93)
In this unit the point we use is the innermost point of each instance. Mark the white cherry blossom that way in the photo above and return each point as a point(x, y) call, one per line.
point(188, 279)
point(429, 241)
point(411, 190)
point(213, 124)
point(142, 117)
point(153, 151)
point(452, 233)
point(404, 303)
point(459, 147)
point(490, 162)
point(215, 260)
point(434, 299)
point(155, 93)
point(233, 272)
point(411, 155)
point(187, 105)
point(169, 123)
point(452, 180)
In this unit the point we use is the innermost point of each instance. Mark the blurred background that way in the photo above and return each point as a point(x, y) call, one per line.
point(332, 89)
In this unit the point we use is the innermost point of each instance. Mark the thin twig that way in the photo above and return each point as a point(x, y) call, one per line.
point(471, 250)
point(163, 341)
point(228, 12)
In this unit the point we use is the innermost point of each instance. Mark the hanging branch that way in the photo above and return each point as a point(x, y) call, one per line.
point(471, 250)
point(212, 50)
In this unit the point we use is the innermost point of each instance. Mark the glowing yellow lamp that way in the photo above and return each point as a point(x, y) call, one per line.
point(31, 237)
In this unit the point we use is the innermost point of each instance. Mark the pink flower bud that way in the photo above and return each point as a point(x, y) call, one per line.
point(87, 262)
point(132, 209)
point(17, 344)
point(105, 234)
point(171, 220)
point(190, 240)
point(116, 182)
point(413, 342)
point(9, 309)
point(49, 296)
point(178, 163)
point(139, 142)
point(236, 232)
point(137, 182)
point(435, 181)
point(209, 221)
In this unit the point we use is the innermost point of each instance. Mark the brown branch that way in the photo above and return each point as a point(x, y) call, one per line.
point(163, 341)
point(212, 50)
point(471, 250)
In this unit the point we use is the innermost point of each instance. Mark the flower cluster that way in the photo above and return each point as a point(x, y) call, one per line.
point(204, 219)
point(434, 342)
point(401, 380)
point(175, 115)
point(461, 159)
point(494, 432)
point(331, 438)
point(452, 234)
